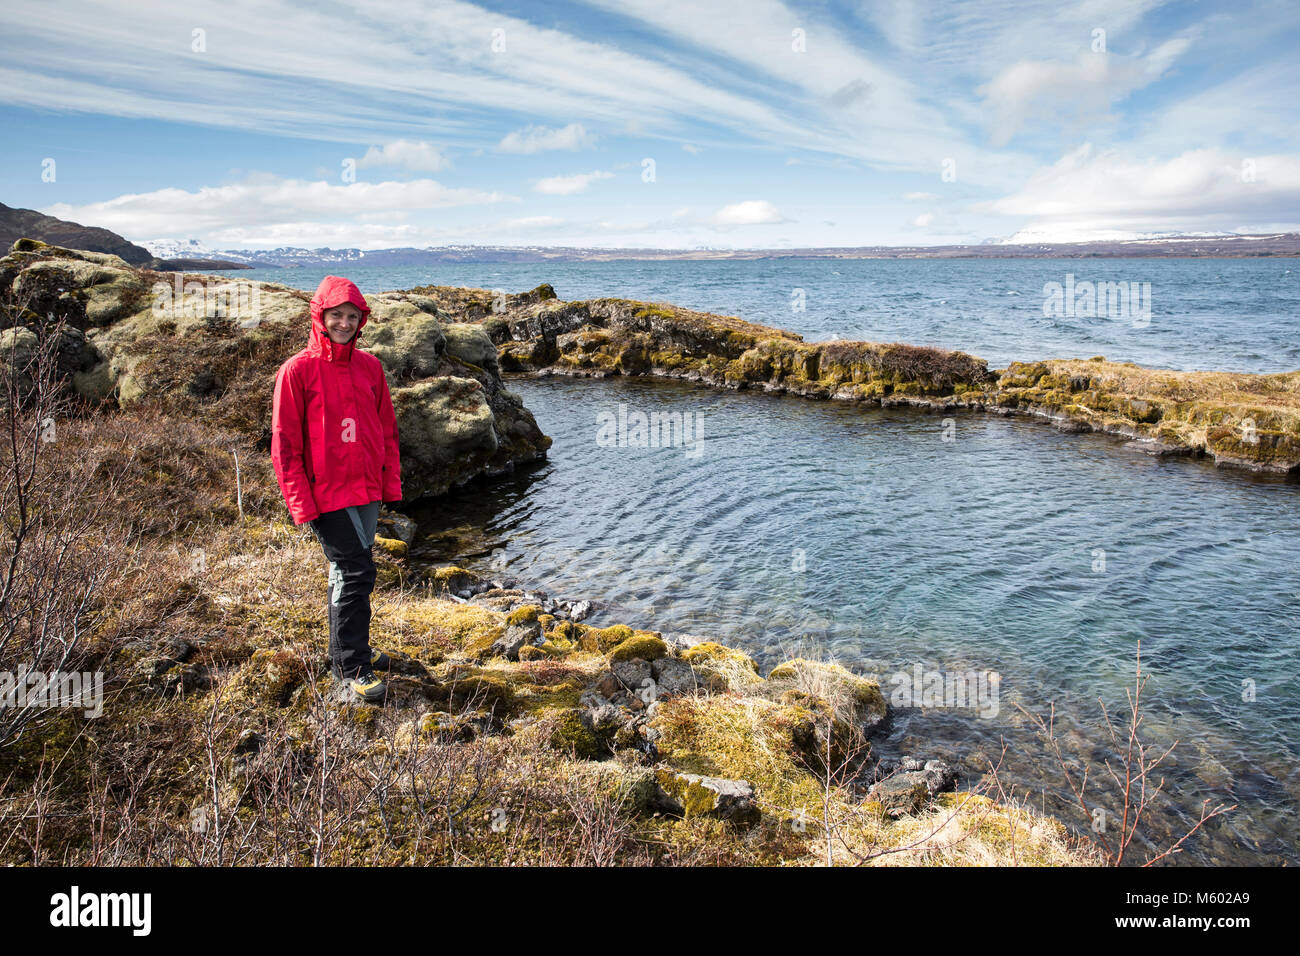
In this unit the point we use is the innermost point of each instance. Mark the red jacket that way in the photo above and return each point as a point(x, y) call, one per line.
point(333, 431)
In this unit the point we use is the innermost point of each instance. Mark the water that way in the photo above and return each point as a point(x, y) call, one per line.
point(984, 553)
point(1013, 548)
point(1226, 314)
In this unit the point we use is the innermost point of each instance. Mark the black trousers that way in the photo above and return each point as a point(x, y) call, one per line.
point(346, 536)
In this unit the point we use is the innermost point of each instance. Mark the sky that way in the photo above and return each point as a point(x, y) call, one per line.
point(255, 124)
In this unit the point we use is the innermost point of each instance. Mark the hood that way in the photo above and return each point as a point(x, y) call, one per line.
point(332, 291)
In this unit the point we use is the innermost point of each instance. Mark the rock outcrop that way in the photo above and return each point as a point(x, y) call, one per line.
point(210, 346)
point(1241, 420)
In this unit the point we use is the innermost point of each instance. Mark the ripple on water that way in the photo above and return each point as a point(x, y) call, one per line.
point(1042, 556)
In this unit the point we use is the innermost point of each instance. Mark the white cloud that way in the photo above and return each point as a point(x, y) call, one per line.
point(533, 222)
point(923, 220)
point(537, 139)
point(407, 154)
point(1106, 193)
point(921, 197)
point(752, 212)
point(889, 121)
point(267, 205)
point(1077, 92)
point(568, 185)
point(311, 235)
point(692, 148)
point(435, 74)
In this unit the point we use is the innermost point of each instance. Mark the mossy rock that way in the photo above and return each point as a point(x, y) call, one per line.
point(392, 546)
point(646, 647)
point(527, 614)
point(654, 312)
point(723, 668)
point(573, 735)
point(453, 578)
point(732, 800)
point(568, 632)
point(271, 676)
point(602, 640)
point(479, 690)
point(556, 649)
point(853, 697)
point(1023, 374)
point(408, 342)
point(469, 342)
point(707, 651)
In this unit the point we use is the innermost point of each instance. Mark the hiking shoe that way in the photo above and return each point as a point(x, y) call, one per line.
point(367, 686)
point(380, 660)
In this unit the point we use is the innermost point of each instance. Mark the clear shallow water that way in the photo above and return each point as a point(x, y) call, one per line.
point(1227, 314)
point(979, 553)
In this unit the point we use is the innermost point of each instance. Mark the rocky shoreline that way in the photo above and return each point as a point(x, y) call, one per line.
point(646, 666)
point(1239, 420)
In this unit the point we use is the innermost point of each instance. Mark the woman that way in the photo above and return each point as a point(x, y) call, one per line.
point(334, 449)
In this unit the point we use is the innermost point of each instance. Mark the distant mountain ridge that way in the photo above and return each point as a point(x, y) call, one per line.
point(194, 256)
point(1205, 245)
point(18, 224)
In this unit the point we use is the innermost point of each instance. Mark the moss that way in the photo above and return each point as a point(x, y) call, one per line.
point(827, 680)
point(392, 546)
point(527, 614)
point(568, 632)
point(361, 716)
point(604, 639)
point(563, 696)
point(710, 651)
point(472, 628)
point(451, 572)
point(52, 735)
point(573, 736)
point(1267, 447)
point(646, 647)
point(696, 799)
point(738, 738)
point(1023, 374)
point(440, 725)
point(671, 359)
point(479, 689)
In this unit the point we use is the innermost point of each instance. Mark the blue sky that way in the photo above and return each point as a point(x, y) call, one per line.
point(765, 124)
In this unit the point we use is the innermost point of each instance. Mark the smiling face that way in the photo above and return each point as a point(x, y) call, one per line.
point(341, 322)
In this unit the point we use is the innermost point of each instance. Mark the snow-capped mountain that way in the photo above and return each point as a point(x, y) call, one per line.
point(179, 249)
point(284, 256)
point(1060, 235)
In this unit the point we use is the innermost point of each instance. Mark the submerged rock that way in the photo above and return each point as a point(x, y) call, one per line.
point(910, 785)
